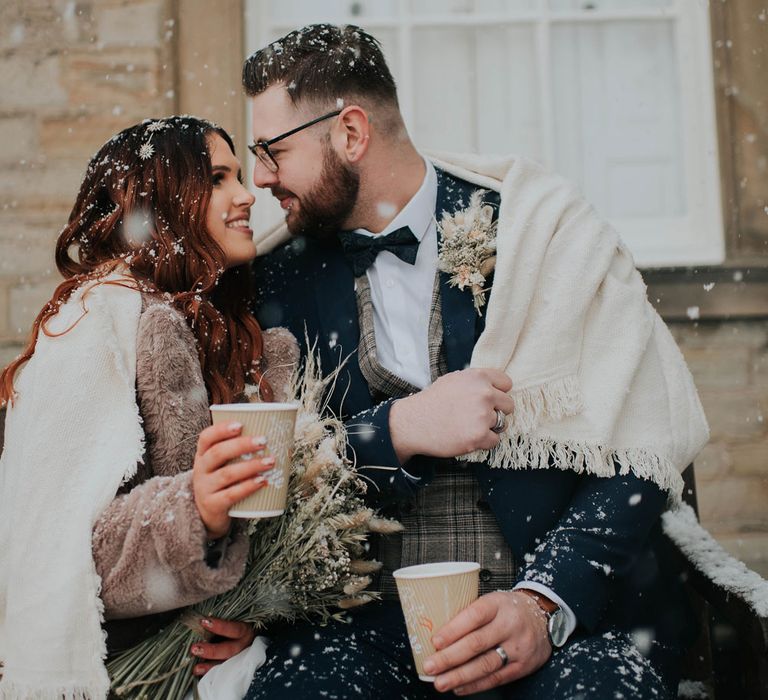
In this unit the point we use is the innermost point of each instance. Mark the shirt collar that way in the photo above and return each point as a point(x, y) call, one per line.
point(418, 213)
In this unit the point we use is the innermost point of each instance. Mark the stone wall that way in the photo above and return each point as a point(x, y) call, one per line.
point(73, 73)
point(729, 362)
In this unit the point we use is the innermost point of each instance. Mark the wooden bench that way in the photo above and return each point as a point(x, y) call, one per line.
point(730, 657)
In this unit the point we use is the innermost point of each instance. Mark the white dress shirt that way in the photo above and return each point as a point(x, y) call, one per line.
point(401, 294)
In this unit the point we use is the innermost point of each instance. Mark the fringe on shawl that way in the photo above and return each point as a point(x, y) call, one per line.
point(554, 400)
point(15, 691)
point(521, 449)
point(526, 451)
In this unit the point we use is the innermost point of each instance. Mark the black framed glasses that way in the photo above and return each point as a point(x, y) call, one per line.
point(261, 148)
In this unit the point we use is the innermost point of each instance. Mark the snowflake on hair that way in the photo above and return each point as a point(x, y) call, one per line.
point(468, 247)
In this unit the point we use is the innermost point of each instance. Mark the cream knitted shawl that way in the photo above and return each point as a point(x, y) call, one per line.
point(597, 378)
point(72, 436)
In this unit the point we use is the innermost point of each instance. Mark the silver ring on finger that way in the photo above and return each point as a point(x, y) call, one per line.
point(501, 422)
point(502, 655)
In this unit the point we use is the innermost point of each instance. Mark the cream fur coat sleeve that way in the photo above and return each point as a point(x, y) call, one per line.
point(149, 544)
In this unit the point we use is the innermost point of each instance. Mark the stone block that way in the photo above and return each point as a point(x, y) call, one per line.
point(42, 190)
point(19, 138)
point(749, 459)
point(713, 461)
point(31, 81)
point(719, 335)
point(25, 303)
point(719, 367)
point(130, 24)
point(4, 311)
point(44, 25)
point(760, 367)
point(734, 415)
point(111, 78)
point(28, 250)
point(749, 547)
point(732, 503)
point(78, 136)
point(9, 352)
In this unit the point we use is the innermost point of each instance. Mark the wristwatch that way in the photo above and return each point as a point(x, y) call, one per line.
point(557, 620)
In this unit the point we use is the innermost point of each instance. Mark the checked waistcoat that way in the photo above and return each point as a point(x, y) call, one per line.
point(449, 519)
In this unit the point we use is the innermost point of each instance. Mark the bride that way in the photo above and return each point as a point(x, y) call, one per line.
point(114, 488)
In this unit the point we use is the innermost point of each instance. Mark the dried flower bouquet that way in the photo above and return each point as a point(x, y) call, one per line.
point(308, 563)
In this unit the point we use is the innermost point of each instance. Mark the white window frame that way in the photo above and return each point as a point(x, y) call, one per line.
point(695, 238)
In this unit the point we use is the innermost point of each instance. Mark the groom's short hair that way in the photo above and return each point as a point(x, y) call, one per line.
point(323, 63)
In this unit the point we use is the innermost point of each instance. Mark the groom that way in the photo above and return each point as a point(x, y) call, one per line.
point(576, 597)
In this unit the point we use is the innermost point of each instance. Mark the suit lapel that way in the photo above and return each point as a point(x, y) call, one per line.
point(339, 330)
point(460, 320)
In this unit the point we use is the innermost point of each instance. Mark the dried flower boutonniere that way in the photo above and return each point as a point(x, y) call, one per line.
point(468, 247)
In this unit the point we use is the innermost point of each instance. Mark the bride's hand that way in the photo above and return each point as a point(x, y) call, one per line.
point(218, 485)
point(234, 637)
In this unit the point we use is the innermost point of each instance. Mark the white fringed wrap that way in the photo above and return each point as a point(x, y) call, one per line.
point(72, 436)
point(597, 377)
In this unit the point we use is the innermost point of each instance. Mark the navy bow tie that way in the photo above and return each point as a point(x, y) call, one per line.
point(361, 250)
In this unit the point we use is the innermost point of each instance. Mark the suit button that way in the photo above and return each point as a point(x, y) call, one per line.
point(485, 575)
point(483, 505)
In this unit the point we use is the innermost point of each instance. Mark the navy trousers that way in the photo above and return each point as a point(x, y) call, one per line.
point(368, 657)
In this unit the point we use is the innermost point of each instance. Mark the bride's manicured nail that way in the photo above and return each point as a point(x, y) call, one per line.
point(234, 427)
point(206, 623)
point(260, 442)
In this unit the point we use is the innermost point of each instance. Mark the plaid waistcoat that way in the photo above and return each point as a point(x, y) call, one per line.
point(449, 520)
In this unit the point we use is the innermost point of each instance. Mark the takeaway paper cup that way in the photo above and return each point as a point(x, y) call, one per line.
point(431, 595)
point(276, 421)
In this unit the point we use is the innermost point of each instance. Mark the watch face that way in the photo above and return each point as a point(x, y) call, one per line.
point(558, 633)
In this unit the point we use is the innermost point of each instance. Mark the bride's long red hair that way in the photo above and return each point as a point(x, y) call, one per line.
point(143, 203)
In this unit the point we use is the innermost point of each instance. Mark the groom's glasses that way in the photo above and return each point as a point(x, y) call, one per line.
point(261, 148)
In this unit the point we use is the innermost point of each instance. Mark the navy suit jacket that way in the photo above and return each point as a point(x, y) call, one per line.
point(591, 540)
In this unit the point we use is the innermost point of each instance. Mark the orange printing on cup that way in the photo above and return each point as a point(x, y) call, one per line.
point(424, 621)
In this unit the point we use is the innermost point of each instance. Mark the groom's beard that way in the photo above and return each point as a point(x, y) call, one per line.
point(323, 211)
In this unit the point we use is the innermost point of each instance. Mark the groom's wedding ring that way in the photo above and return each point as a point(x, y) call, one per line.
point(501, 422)
point(502, 655)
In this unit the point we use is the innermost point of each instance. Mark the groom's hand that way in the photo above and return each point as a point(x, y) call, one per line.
point(466, 661)
point(233, 638)
point(452, 416)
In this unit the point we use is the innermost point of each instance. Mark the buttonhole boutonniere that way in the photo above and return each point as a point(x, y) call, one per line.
point(467, 248)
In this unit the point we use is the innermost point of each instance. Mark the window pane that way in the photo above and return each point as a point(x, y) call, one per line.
point(508, 115)
point(301, 12)
point(391, 46)
point(475, 90)
point(617, 115)
point(613, 5)
point(442, 7)
point(444, 92)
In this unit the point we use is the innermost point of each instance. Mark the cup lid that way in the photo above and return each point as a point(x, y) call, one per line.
point(266, 406)
point(442, 568)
